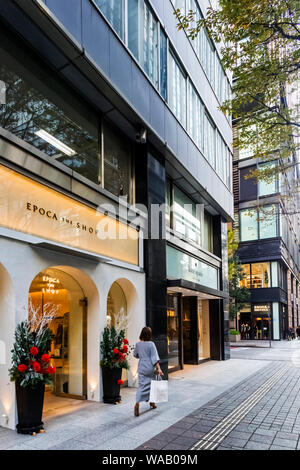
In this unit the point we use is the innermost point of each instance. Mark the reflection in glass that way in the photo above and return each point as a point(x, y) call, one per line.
point(117, 162)
point(173, 330)
point(248, 225)
point(268, 222)
point(113, 10)
point(50, 124)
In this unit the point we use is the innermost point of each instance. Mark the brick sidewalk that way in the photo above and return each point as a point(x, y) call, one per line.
point(273, 423)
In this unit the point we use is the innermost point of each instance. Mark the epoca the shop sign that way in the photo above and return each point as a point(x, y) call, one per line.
point(29, 207)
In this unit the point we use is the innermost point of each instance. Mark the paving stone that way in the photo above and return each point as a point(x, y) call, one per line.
point(285, 443)
point(253, 445)
point(288, 436)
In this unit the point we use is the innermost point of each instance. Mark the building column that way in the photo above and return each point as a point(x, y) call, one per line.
point(150, 190)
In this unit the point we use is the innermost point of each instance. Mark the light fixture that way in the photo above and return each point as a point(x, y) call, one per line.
point(55, 142)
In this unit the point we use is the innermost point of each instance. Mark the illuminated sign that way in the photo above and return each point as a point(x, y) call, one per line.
point(261, 308)
point(30, 207)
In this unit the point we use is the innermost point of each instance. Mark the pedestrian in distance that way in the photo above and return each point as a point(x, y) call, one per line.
point(148, 367)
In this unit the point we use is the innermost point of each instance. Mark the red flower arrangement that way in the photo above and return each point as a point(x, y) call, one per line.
point(120, 382)
point(116, 351)
point(51, 369)
point(46, 358)
point(125, 341)
point(125, 349)
point(36, 366)
point(22, 368)
point(34, 351)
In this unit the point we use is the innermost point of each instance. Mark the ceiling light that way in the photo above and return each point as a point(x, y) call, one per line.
point(55, 142)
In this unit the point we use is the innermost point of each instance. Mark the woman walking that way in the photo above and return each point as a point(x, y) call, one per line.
point(146, 352)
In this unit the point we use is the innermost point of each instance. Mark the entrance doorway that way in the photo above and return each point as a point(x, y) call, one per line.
point(57, 294)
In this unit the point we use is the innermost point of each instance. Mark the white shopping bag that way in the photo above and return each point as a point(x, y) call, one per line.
point(158, 391)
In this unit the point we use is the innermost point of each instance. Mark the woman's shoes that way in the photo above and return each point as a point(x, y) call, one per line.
point(137, 410)
point(153, 406)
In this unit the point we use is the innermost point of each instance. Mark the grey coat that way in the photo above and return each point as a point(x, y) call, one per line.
point(148, 356)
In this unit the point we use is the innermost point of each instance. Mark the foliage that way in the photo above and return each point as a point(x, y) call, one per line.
point(237, 295)
point(260, 46)
point(114, 349)
point(30, 359)
point(234, 332)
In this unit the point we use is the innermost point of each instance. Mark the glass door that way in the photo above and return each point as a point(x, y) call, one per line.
point(173, 322)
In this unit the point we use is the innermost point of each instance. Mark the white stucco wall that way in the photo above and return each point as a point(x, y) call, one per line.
point(19, 264)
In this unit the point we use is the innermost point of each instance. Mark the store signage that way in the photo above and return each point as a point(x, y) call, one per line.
point(261, 308)
point(30, 207)
point(180, 265)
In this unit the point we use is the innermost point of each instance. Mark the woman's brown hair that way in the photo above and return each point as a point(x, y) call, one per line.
point(146, 334)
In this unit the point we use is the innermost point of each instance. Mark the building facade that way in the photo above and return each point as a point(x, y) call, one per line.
point(267, 227)
point(110, 141)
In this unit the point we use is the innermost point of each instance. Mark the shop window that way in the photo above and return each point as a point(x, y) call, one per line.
point(261, 275)
point(173, 331)
point(246, 281)
point(46, 115)
point(117, 313)
point(117, 162)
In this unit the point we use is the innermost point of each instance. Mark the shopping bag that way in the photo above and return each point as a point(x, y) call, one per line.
point(158, 391)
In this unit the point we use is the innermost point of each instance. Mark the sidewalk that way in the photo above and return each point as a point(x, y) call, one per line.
point(97, 426)
point(264, 344)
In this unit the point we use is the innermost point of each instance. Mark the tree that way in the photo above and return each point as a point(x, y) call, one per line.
point(237, 295)
point(261, 49)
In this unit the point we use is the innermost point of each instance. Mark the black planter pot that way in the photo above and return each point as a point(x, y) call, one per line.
point(111, 388)
point(30, 403)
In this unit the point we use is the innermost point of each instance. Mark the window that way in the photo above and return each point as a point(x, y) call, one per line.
point(177, 89)
point(268, 222)
point(113, 10)
point(117, 162)
point(248, 225)
point(259, 224)
point(195, 127)
point(248, 187)
point(185, 218)
point(209, 140)
point(163, 64)
point(258, 275)
point(133, 27)
point(46, 115)
point(207, 242)
point(249, 151)
point(268, 187)
point(150, 44)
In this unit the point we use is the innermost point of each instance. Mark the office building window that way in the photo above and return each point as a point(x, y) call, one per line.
point(248, 185)
point(133, 27)
point(270, 185)
point(113, 10)
point(259, 224)
point(268, 222)
point(209, 140)
point(186, 221)
point(207, 239)
point(150, 44)
point(48, 116)
point(117, 151)
point(195, 126)
point(177, 89)
point(163, 65)
point(248, 225)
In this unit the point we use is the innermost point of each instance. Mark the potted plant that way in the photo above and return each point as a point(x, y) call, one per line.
point(32, 369)
point(114, 349)
point(234, 336)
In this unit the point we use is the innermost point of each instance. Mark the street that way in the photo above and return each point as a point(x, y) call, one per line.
point(249, 402)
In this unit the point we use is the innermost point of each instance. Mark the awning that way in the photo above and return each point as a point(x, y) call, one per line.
point(193, 289)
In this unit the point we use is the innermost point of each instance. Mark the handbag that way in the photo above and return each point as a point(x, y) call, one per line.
point(158, 390)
